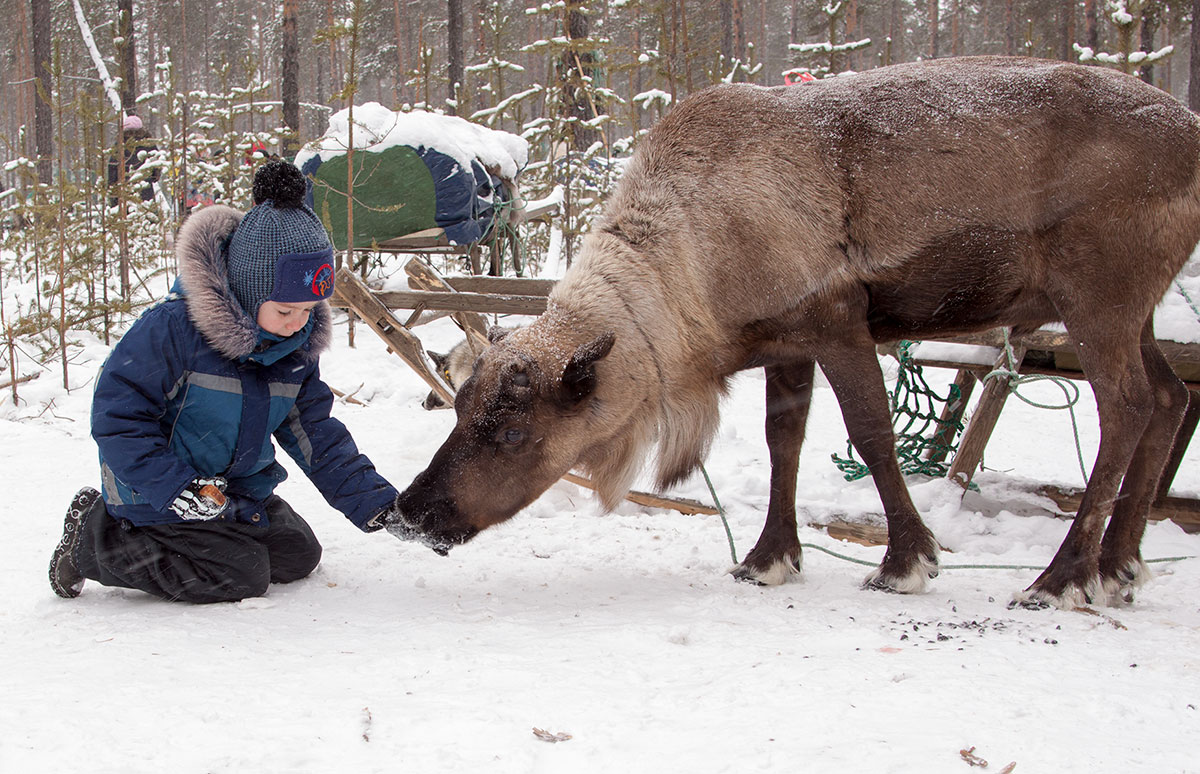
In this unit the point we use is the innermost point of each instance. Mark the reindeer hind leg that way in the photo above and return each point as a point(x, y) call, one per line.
point(1109, 352)
point(1122, 569)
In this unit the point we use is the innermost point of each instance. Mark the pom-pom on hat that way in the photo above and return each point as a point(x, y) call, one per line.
point(279, 251)
point(130, 123)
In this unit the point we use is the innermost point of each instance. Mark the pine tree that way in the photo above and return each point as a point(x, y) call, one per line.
point(826, 57)
point(1126, 16)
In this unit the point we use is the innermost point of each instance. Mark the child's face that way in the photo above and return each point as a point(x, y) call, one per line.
point(283, 319)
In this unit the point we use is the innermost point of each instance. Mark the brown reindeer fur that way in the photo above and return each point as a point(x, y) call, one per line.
point(780, 227)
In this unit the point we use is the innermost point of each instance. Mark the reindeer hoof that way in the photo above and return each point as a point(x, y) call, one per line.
point(1120, 586)
point(892, 577)
point(1029, 601)
point(778, 572)
point(1072, 597)
point(743, 574)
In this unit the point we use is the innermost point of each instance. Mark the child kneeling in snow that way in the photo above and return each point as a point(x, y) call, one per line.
point(187, 403)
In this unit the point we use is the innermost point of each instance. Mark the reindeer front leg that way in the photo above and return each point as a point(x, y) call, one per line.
point(852, 368)
point(776, 557)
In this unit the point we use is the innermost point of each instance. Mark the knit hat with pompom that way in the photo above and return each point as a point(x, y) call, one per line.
point(279, 251)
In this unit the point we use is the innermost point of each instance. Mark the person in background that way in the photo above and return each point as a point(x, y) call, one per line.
point(189, 400)
point(138, 145)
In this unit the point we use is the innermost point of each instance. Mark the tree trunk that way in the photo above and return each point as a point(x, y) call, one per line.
point(739, 31)
point(24, 90)
point(1151, 16)
point(43, 120)
point(1067, 51)
point(335, 81)
point(835, 59)
point(127, 57)
point(575, 69)
point(934, 13)
point(290, 88)
point(955, 28)
point(635, 79)
point(726, 7)
point(687, 43)
point(400, 77)
point(481, 42)
point(764, 49)
point(852, 32)
point(454, 48)
point(1010, 28)
point(185, 120)
point(1194, 64)
point(1091, 25)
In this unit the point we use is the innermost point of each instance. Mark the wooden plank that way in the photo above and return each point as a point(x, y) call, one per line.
point(983, 422)
point(482, 303)
point(474, 324)
point(1184, 511)
point(682, 504)
point(1182, 357)
point(1177, 353)
point(526, 213)
point(863, 534)
point(505, 286)
point(952, 414)
point(431, 240)
point(1052, 341)
point(357, 296)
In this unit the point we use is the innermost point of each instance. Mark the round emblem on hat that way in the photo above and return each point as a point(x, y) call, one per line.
point(322, 281)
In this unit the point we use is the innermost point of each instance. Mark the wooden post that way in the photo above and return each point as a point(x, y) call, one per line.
point(983, 421)
point(952, 414)
point(474, 324)
point(357, 296)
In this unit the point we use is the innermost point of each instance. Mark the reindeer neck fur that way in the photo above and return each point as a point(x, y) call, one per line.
point(656, 385)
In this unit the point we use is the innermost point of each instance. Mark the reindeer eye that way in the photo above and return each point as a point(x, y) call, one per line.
point(513, 436)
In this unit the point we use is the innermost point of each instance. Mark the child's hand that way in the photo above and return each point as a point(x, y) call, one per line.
point(204, 499)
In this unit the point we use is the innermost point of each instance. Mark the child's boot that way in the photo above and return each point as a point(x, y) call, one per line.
point(65, 578)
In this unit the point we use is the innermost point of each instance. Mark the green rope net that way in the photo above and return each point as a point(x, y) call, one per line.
point(924, 439)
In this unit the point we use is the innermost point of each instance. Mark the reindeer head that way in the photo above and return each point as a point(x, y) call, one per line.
point(523, 420)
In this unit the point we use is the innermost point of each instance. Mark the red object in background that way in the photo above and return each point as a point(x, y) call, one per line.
point(198, 198)
point(257, 149)
point(801, 78)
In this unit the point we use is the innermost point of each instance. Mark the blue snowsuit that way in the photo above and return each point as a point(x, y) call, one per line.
point(195, 389)
point(170, 407)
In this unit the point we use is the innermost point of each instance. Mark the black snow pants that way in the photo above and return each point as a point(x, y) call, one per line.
point(200, 561)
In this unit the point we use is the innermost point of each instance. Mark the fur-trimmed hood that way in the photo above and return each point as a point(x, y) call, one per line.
point(200, 250)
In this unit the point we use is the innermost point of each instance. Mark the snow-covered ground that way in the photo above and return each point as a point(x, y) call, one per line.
point(622, 631)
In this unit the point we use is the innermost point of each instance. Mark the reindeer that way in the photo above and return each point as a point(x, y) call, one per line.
point(779, 228)
point(454, 366)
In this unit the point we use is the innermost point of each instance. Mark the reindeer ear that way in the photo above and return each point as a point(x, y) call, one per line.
point(579, 377)
point(495, 333)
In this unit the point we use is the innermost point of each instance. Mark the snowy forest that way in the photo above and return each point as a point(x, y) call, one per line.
point(569, 639)
point(217, 86)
